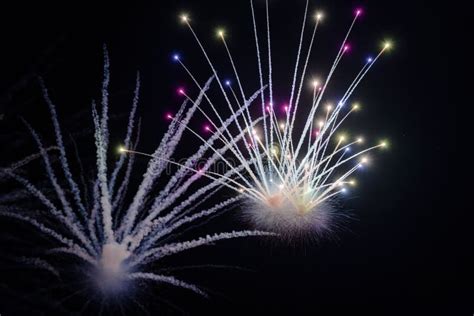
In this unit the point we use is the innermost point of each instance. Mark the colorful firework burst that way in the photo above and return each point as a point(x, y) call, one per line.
point(291, 167)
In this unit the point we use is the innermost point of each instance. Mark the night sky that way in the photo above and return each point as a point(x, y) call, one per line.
point(404, 252)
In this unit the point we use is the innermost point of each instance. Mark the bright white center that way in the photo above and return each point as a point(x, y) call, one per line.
point(113, 254)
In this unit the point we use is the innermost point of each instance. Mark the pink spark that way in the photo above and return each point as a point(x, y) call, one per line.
point(169, 116)
point(347, 47)
point(181, 91)
point(207, 128)
point(358, 11)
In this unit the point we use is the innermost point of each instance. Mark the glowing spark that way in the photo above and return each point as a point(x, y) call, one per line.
point(319, 15)
point(121, 149)
point(184, 18)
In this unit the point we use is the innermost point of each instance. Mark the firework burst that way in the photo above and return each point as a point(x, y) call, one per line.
point(119, 240)
point(291, 166)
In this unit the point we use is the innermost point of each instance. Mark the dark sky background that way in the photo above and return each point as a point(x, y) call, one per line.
point(403, 253)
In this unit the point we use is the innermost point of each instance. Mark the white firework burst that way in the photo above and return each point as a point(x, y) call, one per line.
point(119, 239)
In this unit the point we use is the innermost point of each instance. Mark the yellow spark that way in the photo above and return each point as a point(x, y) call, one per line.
point(184, 18)
point(387, 44)
point(220, 33)
point(384, 144)
point(319, 15)
point(121, 149)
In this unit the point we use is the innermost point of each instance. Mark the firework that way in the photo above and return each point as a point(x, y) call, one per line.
point(119, 240)
point(290, 172)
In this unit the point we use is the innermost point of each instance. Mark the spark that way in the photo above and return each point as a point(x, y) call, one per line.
point(319, 15)
point(220, 33)
point(184, 18)
point(121, 149)
point(387, 45)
